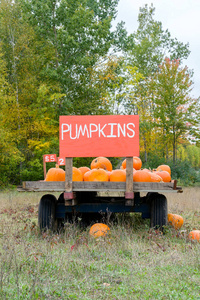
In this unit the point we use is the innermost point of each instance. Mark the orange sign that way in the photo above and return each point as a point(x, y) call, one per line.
point(61, 161)
point(49, 158)
point(92, 136)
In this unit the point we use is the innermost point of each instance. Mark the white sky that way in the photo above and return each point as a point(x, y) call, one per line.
point(180, 17)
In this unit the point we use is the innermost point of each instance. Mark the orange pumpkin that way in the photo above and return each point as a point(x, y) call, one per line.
point(118, 175)
point(141, 176)
point(164, 168)
point(166, 177)
point(194, 235)
point(175, 221)
point(101, 162)
point(99, 229)
point(155, 177)
point(55, 174)
point(84, 169)
point(98, 175)
point(77, 174)
point(86, 175)
point(137, 163)
point(108, 172)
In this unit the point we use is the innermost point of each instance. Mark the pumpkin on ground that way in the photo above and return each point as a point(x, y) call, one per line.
point(98, 175)
point(99, 229)
point(141, 176)
point(175, 221)
point(194, 235)
point(101, 162)
point(118, 175)
point(55, 174)
point(137, 163)
point(77, 174)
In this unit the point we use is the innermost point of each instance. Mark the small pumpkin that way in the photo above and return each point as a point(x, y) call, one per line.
point(98, 175)
point(55, 174)
point(101, 162)
point(137, 163)
point(194, 235)
point(175, 221)
point(77, 174)
point(155, 177)
point(86, 175)
point(118, 175)
point(166, 177)
point(141, 176)
point(99, 229)
point(84, 169)
point(164, 168)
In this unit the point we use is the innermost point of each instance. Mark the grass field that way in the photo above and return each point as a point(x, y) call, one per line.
point(132, 262)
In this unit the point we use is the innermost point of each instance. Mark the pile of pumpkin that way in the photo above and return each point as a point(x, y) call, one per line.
point(101, 170)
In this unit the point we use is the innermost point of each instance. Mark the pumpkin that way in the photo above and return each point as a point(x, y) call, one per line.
point(99, 229)
point(141, 176)
point(118, 175)
point(84, 169)
point(98, 175)
point(166, 177)
point(137, 163)
point(101, 162)
point(175, 221)
point(164, 168)
point(55, 174)
point(155, 177)
point(108, 172)
point(86, 175)
point(194, 235)
point(76, 174)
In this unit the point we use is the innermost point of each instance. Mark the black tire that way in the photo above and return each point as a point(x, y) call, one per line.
point(46, 212)
point(158, 204)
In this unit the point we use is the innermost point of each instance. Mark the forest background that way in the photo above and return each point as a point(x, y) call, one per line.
point(63, 57)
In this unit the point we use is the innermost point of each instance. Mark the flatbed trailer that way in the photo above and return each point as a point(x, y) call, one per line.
point(92, 200)
point(93, 136)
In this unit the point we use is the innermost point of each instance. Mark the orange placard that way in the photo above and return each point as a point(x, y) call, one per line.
point(92, 136)
point(61, 161)
point(49, 158)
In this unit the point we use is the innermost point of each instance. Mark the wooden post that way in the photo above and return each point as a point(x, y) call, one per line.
point(68, 194)
point(129, 195)
point(44, 167)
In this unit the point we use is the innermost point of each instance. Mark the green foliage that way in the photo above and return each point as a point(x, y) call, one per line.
point(184, 172)
point(148, 46)
point(62, 58)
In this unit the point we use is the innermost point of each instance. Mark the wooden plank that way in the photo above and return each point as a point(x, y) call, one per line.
point(129, 178)
point(59, 186)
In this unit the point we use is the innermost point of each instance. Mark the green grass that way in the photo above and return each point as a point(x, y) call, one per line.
point(132, 262)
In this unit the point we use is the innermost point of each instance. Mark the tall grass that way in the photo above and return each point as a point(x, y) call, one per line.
point(132, 262)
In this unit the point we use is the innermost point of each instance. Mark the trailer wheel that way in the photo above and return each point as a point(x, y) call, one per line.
point(46, 212)
point(158, 203)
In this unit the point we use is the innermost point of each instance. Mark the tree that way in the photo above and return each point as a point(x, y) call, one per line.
point(150, 44)
point(79, 33)
point(27, 115)
point(146, 49)
point(10, 154)
point(173, 107)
